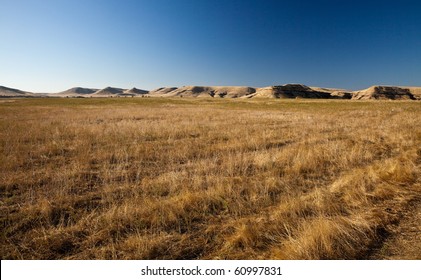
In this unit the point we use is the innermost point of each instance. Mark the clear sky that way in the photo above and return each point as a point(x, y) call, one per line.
point(52, 45)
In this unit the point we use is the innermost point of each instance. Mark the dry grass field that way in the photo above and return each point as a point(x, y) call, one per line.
point(152, 178)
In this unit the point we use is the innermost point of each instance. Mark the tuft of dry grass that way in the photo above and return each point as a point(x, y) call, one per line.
point(205, 179)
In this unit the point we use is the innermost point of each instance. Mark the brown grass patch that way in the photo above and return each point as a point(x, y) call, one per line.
point(202, 179)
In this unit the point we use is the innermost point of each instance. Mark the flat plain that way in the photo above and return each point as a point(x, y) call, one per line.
point(185, 178)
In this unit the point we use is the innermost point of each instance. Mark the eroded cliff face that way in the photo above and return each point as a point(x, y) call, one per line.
point(384, 92)
point(292, 91)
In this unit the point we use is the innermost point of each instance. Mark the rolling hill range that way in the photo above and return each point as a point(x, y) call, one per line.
point(286, 91)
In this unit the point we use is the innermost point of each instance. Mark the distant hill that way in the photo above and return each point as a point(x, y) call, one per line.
point(279, 91)
point(385, 92)
point(105, 92)
point(11, 92)
point(162, 91)
point(75, 91)
point(284, 91)
point(135, 91)
point(204, 91)
point(291, 91)
point(108, 91)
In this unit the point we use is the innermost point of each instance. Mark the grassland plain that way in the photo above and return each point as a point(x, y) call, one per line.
point(151, 178)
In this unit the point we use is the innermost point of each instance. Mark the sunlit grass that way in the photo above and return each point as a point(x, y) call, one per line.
point(183, 178)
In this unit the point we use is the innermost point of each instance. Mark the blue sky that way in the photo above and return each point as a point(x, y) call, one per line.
point(52, 45)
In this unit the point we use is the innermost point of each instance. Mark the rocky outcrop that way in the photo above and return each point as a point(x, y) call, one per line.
point(415, 91)
point(384, 92)
point(291, 91)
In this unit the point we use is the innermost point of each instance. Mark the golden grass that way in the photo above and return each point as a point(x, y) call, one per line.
point(203, 179)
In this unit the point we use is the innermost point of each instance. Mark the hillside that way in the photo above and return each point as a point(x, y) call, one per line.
point(204, 91)
point(75, 92)
point(116, 92)
point(287, 91)
point(415, 91)
point(385, 92)
point(11, 92)
point(291, 91)
point(134, 91)
point(108, 91)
